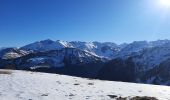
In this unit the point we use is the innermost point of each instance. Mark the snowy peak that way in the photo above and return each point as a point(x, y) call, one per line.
point(105, 50)
point(159, 42)
point(133, 48)
point(65, 43)
point(45, 45)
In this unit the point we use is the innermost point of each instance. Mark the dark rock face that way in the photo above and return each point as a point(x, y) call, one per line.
point(118, 70)
point(86, 70)
point(158, 75)
point(105, 48)
point(126, 71)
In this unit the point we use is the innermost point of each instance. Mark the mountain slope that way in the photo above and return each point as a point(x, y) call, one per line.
point(118, 70)
point(11, 53)
point(127, 70)
point(21, 85)
point(105, 49)
point(55, 58)
point(158, 75)
point(70, 61)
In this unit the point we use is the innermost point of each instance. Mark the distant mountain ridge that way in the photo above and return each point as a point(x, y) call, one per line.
point(140, 61)
point(106, 49)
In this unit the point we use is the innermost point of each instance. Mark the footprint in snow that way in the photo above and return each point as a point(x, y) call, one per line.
point(81, 86)
point(90, 83)
point(58, 82)
point(140, 91)
point(71, 94)
point(101, 95)
point(94, 87)
point(66, 83)
point(76, 80)
point(88, 97)
point(17, 95)
point(112, 96)
point(101, 91)
point(97, 92)
point(44, 95)
point(76, 84)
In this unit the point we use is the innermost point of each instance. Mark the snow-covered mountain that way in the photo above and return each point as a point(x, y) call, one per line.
point(11, 53)
point(21, 85)
point(92, 59)
point(105, 50)
point(45, 45)
point(55, 58)
point(150, 65)
point(151, 57)
point(146, 55)
point(132, 48)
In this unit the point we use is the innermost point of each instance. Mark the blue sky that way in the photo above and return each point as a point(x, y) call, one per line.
point(26, 21)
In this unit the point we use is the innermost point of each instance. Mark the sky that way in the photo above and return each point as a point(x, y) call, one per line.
point(119, 21)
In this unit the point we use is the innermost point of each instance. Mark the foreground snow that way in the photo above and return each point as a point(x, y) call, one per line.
point(22, 85)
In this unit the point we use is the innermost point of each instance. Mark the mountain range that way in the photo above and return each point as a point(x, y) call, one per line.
point(139, 61)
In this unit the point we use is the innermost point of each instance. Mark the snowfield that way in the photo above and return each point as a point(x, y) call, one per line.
point(22, 85)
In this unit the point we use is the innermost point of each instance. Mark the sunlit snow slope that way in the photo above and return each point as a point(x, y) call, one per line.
point(21, 85)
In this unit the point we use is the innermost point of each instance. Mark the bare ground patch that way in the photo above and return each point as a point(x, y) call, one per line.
point(143, 98)
point(5, 72)
point(134, 98)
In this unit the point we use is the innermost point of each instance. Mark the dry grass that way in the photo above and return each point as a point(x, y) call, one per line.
point(5, 72)
point(144, 98)
point(134, 98)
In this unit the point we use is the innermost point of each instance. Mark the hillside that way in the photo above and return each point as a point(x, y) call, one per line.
point(22, 85)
